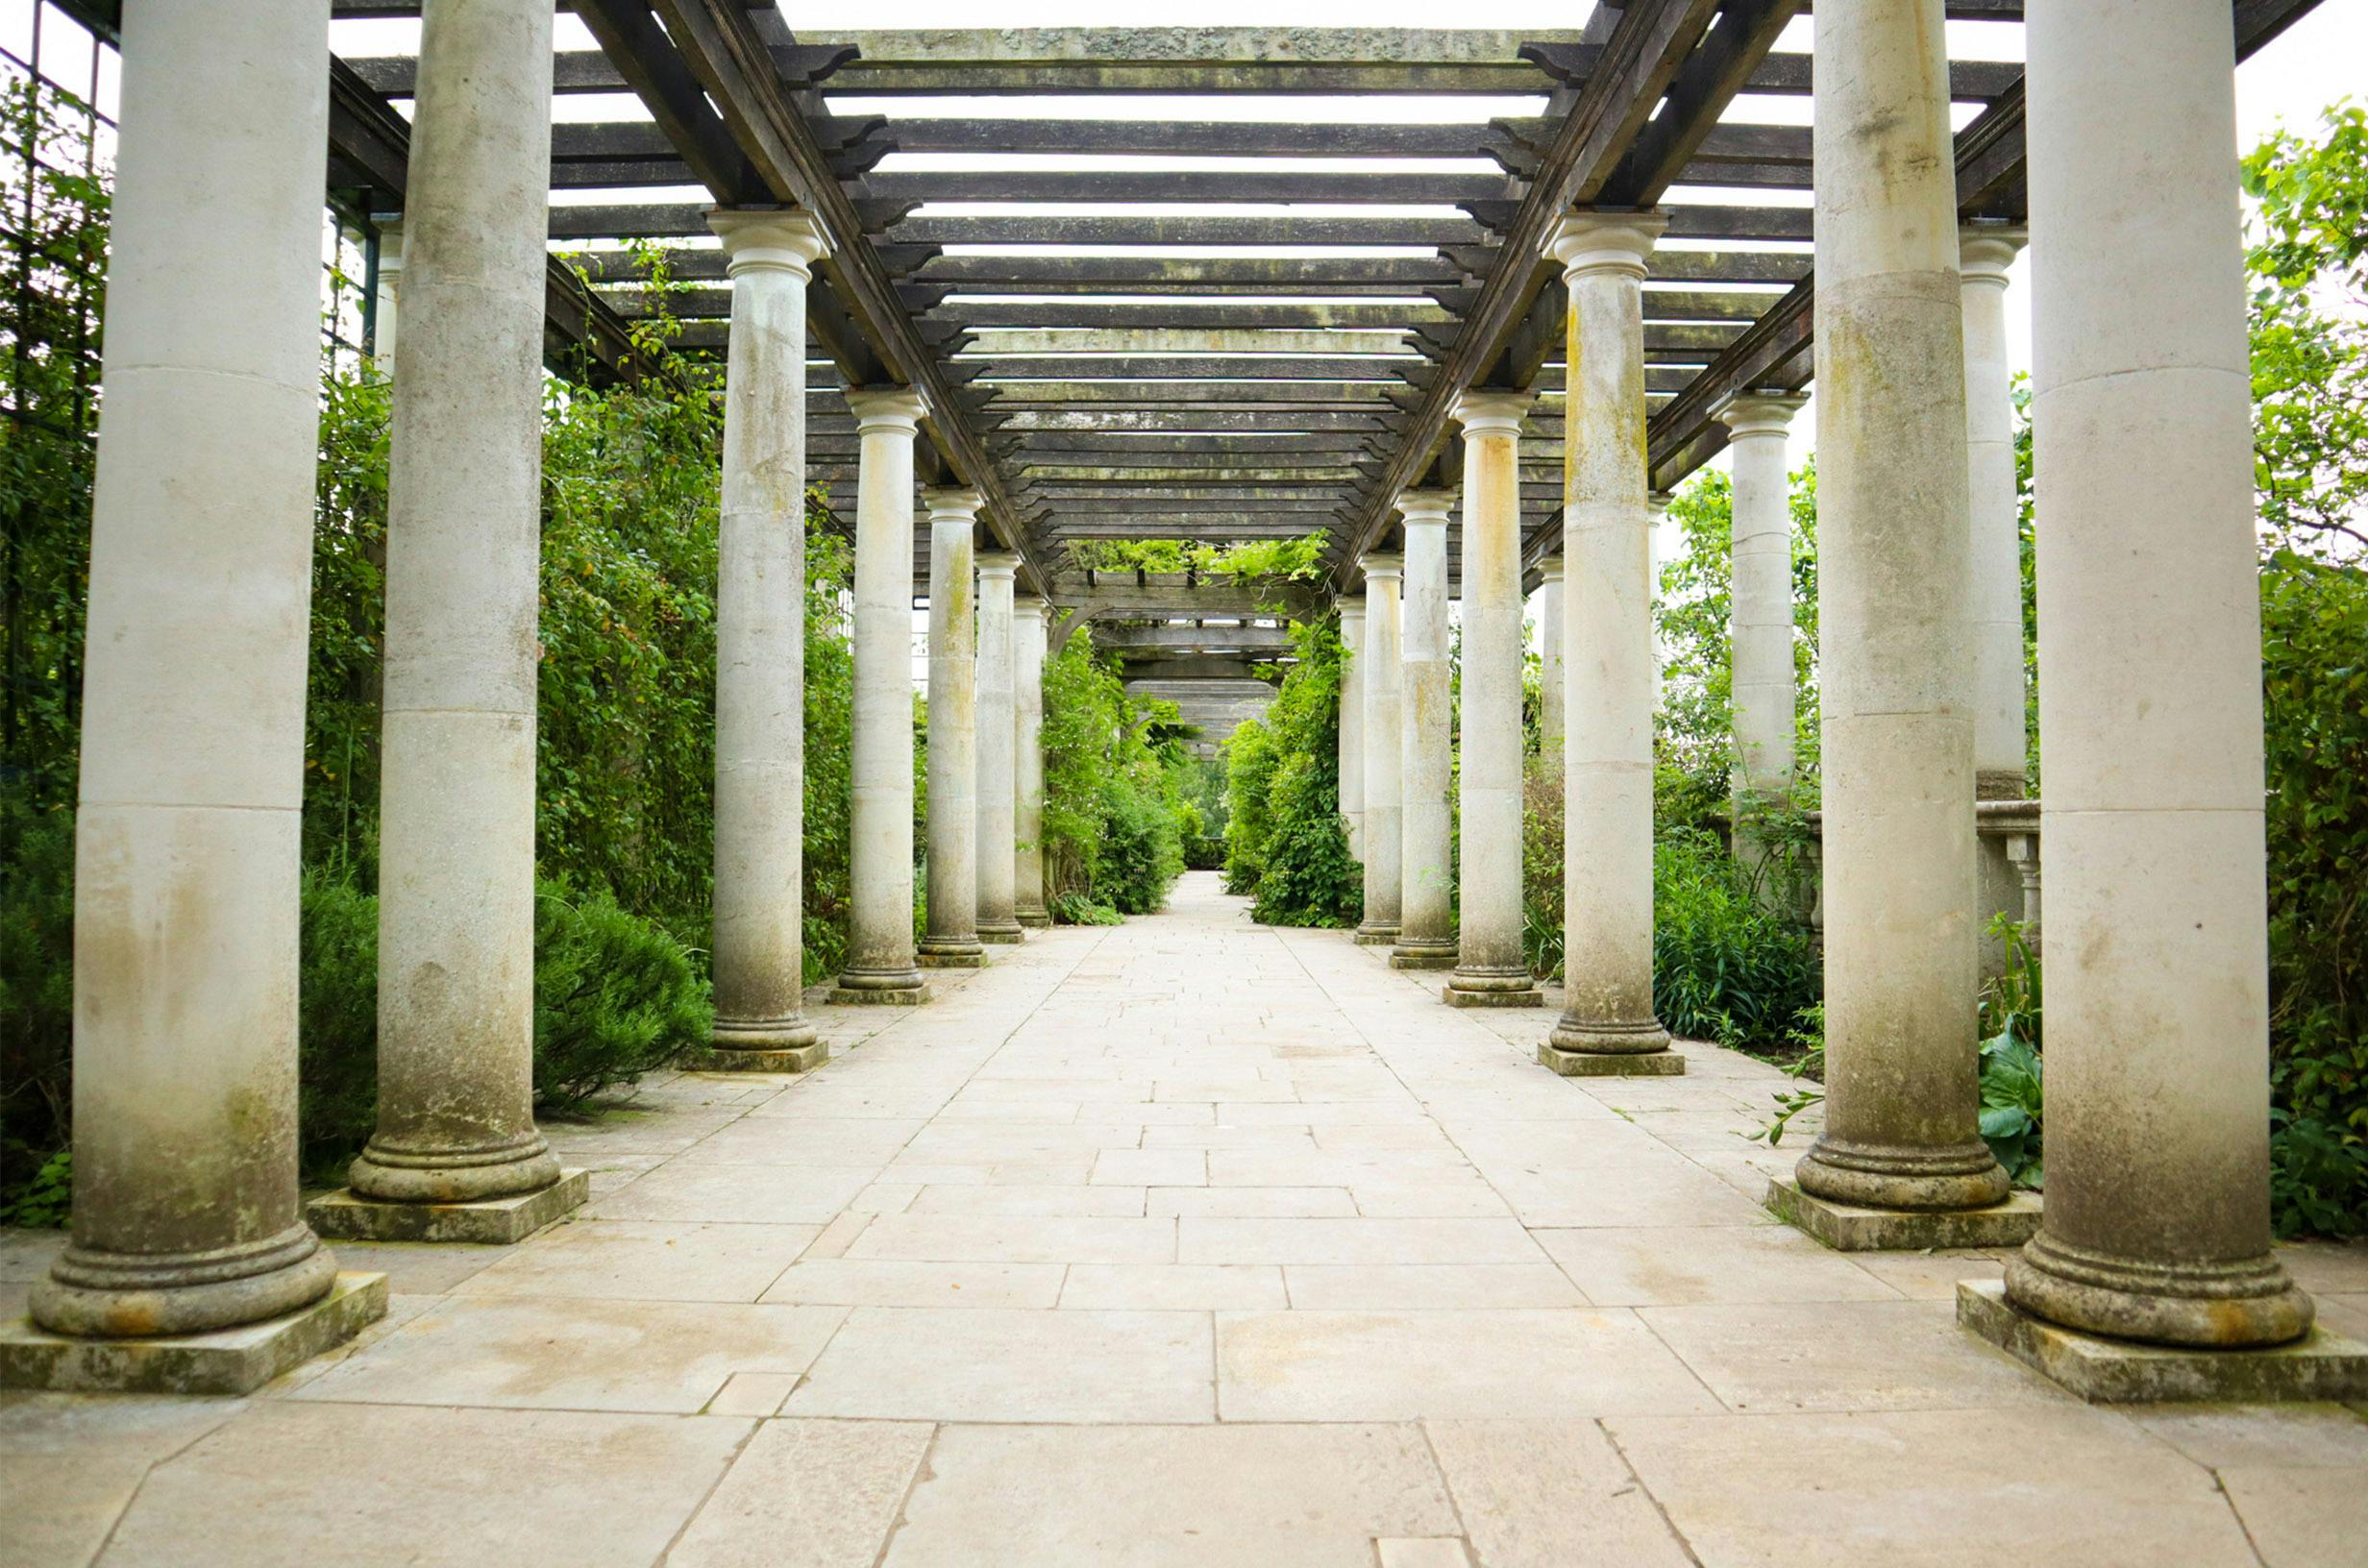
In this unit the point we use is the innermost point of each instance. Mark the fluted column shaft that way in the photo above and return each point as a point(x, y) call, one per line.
point(1552, 688)
point(758, 946)
point(953, 762)
point(880, 957)
point(1426, 920)
point(2150, 718)
point(1352, 723)
point(1759, 596)
point(463, 542)
point(1027, 648)
point(1491, 967)
point(193, 687)
point(1608, 749)
point(2000, 746)
point(1383, 751)
point(999, 917)
point(1894, 578)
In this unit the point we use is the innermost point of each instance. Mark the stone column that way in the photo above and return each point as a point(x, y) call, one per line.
point(1550, 682)
point(880, 960)
point(1608, 1024)
point(387, 308)
point(1492, 969)
point(455, 1119)
point(951, 942)
point(2000, 752)
point(1027, 648)
point(1894, 583)
point(999, 917)
point(1352, 723)
point(2158, 1157)
point(1383, 824)
point(193, 688)
point(1426, 923)
point(759, 941)
point(1667, 542)
point(1760, 597)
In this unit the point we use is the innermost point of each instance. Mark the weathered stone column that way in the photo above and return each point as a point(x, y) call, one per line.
point(880, 961)
point(952, 941)
point(463, 581)
point(1384, 843)
point(2157, 1156)
point(193, 717)
point(1893, 581)
point(1426, 922)
point(759, 941)
point(1551, 686)
point(1492, 969)
point(999, 917)
point(1352, 723)
point(1608, 1023)
point(1027, 648)
point(2000, 751)
point(1760, 597)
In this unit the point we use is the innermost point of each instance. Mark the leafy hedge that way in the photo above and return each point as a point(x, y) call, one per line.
point(1115, 812)
point(1286, 842)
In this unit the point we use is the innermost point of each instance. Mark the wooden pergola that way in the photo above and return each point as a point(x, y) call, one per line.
point(1096, 373)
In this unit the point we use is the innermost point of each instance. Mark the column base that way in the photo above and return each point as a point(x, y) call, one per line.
point(952, 955)
point(1478, 985)
point(1889, 1176)
point(2317, 1366)
point(95, 1293)
point(350, 1216)
point(797, 1058)
point(1456, 996)
point(1587, 1037)
point(388, 1172)
point(1036, 919)
point(2209, 1307)
point(1848, 1228)
point(1611, 1064)
point(999, 935)
point(235, 1360)
point(1422, 953)
point(742, 1037)
point(844, 994)
point(1376, 936)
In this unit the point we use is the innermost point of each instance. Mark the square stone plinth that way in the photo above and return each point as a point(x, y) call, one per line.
point(797, 1059)
point(2318, 1366)
point(1531, 997)
point(952, 961)
point(1003, 939)
point(1611, 1064)
point(1376, 938)
point(346, 1216)
point(903, 997)
point(226, 1361)
point(1422, 961)
point(1848, 1229)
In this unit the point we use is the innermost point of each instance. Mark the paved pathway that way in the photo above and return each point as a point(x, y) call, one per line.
point(1184, 1242)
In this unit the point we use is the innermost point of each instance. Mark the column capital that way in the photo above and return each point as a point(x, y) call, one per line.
point(1758, 413)
point(952, 503)
point(998, 564)
point(1586, 242)
point(898, 408)
point(768, 239)
point(1351, 609)
point(1550, 570)
point(1028, 607)
point(1657, 501)
point(1492, 412)
point(390, 246)
point(1986, 250)
point(1425, 506)
point(1383, 565)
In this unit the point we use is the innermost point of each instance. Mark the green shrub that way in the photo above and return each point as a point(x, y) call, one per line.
point(1142, 848)
point(37, 991)
point(1310, 877)
point(614, 997)
point(1251, 760)
point(336, 1022)
point(1077, 909)
point(1542, 804)
point(1287, 842)
point(1114, 810)
point(1726, 968)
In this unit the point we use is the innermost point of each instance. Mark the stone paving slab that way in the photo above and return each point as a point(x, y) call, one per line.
point(1184, 1242)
